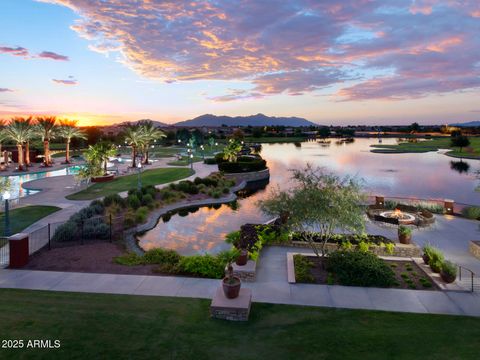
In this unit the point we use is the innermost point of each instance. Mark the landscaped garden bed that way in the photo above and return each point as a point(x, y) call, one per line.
point(356, 268)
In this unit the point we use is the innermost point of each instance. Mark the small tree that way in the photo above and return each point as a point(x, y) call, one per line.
point(321, 202)
point(460, 141)
point(230, 152)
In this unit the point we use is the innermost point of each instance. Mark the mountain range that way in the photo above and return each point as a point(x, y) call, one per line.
point(467, 124)
point(252, 120)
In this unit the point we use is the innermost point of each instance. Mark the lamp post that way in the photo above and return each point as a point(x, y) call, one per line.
point(6, 230)
point(139, 178)
point(191, 161)
point(203, 151)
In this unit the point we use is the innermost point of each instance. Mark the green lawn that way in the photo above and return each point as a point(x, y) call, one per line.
point(101, 326)
point(124, 183)
point(185, 161)
point(20, 218)
point(473, 151)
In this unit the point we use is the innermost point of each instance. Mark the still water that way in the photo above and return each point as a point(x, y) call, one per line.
point(428, 175)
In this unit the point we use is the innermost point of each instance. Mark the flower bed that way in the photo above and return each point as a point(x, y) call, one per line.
point(356, 268)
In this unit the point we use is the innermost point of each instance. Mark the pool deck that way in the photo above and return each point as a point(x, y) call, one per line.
point(271, 287)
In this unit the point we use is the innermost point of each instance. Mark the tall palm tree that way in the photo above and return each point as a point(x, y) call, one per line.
point(31, 134)
point(69, 130)
point(19, 130)
point(3, 137)
point(134, 137)
point(97, 155)
point(46, 126)
point(151, 133)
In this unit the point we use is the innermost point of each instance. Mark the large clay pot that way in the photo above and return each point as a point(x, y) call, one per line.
point(426, 259)
point(242, 258)
point(448, 278)
point(404, 238)
point(231, 287)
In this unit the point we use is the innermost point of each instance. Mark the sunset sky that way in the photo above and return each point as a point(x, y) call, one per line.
point(332, 62)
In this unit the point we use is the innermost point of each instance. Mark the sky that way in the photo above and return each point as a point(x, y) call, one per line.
point(333, 62)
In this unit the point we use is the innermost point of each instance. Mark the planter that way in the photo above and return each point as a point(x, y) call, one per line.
point(105, 178)
point(405, 238)
point(436, 267)
point(426, 259)
point(448, 278)
point(242, 258)
point(231, 287)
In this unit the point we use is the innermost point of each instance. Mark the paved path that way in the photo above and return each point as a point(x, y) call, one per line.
point(271, 287)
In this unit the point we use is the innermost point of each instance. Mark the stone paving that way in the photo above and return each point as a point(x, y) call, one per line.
point(271, 286)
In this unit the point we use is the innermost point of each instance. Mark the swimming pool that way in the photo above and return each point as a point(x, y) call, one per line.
point(16, 181)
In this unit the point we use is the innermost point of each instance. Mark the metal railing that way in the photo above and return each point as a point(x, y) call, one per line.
point(468, 279)
point(4, 252)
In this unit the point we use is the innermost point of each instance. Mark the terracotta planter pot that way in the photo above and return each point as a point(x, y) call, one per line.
point(242, 258)
point(404, 238)
point(105, 178)
point(231, 289)
point(447, 277)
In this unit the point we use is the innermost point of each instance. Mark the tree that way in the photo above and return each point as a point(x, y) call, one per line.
point(320, 202)
point(238, 134)
point(30, 135)
point(46, 126)
point(151, 133)
point(69, 130)
point(230, 152)
point(19, 130)
point(460, 141)
point(324, 132)
point(134, 136)
point(414, 128)
point(97, 156)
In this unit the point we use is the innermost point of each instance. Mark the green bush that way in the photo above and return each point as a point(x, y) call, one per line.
point(95, 228)
point(356, 268)
point(210, 161)
point(302, 267)
point(113, 199)
point(133, 201)
point(129, 259)
point(161, 256)
point(141, 215)
point(436, 259)
point(202, 265)
point(233, 237)
point(390, 248)
point(449, 268)
point(471, 212)
point(147, 200)
point(403, 230)
point(68, 231)
point(187, 187)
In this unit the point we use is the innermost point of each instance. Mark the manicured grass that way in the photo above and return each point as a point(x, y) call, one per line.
point(275, 139)
point(185, 161)
point(72, 153)
point(124, 183)
point(473, 151)
point(20, 218)
point(140, 327)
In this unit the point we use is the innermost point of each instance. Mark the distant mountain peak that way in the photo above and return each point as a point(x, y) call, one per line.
point(251, 120)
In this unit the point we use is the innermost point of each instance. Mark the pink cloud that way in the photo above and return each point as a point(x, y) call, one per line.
point(15, 51)
point(5, 90)
point(293, 46)
point(53, 56)
point(69, 81)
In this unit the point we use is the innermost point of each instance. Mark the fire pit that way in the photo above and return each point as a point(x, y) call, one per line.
point(404, 218)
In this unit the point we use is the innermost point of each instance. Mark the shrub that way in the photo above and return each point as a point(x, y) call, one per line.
point(161, 256)
point(113, 199)
point(187, 187)
point(242, 166)
point(302, 267)
point(129, 259)
point(133, 201)
point(363, 246)
point(233, 238)
point(149, 190)
point(141, 215)
point(129, 219)
point(95, 229)
point(66, 232)
point(147, 200)
point(202, 265)
point(471, 212)
point(390, 248)
point(405, 231)
point(226, 190)
point(210, 161)
point(449, 268)
point(435, 257)
point(356, 268)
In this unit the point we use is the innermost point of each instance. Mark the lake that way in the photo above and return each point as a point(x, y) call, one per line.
point(428, 175)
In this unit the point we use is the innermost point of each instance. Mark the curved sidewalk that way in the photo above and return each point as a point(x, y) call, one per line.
point(271, 287)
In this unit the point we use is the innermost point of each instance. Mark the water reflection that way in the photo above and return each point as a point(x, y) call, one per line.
point(460, 166)
point(427, 175)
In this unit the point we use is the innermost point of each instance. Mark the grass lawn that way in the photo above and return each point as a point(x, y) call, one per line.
point(275, 139)
point(185, 161)
point(124, 183)
point(20, 218)
point(140, 327)
point(473, 151)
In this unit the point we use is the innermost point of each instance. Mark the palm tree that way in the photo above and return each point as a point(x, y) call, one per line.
point(3, 137)
point(46, 129)
point(27, 141)
point(97, 155)
point(19, 130)
point(134, 137)
point(69, 130)
point(230, 152)
point(151, 133)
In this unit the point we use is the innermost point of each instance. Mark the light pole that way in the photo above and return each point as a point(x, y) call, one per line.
point(6, 230)
point(139, 178)
point(191, 161)
point(203, 151)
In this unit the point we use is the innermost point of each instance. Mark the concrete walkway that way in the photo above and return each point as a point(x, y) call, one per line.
point(271, 287)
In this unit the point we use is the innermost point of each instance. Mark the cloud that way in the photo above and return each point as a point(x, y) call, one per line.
point(373, 49)
point(5, 90)
point(70, 81)
point(53, 56)
point(15, 51)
